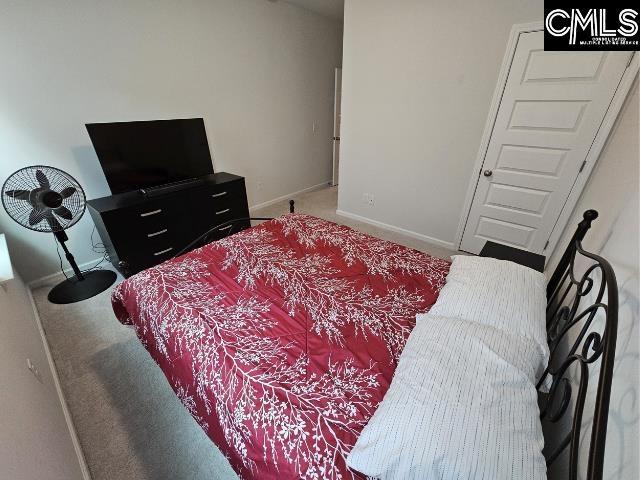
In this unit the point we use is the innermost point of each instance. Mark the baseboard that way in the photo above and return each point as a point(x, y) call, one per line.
point(59, 276)
point(289, 195)
point(84, 468)
point(393, 228)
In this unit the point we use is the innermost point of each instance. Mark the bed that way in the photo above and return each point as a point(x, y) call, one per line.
point(282, 340)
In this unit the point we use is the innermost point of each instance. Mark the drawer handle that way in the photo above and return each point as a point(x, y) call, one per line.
point(216, 195)
point(223, 211)
point(148, 214)
point(155, 234)
point(228, 227)
point(163, 251)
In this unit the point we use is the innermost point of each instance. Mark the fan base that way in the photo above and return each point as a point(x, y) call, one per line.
point(72, 290)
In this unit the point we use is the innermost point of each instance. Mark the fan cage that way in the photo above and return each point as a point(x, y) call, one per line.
point(20, 210)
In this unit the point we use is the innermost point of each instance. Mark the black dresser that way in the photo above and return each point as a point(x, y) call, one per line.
point(140, 231)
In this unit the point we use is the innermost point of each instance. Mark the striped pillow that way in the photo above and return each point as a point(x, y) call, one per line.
point(462, 405)
point(500, 294)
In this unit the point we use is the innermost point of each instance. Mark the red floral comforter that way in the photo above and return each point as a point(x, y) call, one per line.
point(281, 340)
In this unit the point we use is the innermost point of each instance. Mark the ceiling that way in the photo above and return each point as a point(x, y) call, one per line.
point(329, 8)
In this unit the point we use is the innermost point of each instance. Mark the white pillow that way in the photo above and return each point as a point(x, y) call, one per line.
point(500, 294)
point(462, 405)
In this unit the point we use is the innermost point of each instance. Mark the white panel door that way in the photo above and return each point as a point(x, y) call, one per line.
point(551, 108)
point(337, 105)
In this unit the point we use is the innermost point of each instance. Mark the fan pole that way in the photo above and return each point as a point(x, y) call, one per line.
point(62, 237)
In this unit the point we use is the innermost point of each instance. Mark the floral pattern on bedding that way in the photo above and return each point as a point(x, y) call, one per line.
point(281, 340)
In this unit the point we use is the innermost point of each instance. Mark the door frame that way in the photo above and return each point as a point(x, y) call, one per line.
point(335, 171)
point(601, 137)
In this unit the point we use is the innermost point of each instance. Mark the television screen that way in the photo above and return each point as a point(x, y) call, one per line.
point(136, 155)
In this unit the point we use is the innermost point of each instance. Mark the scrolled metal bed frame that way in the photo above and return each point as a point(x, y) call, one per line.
point(574, 302)
point(566, 316)
point(218, 228)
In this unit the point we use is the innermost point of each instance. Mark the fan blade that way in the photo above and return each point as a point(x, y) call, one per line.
point(36, 216)
point(19, 194)
point(67, 192)
point(63, 212)
point(42, 179)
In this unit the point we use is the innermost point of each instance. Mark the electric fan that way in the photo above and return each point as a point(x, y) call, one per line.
point(46, 199)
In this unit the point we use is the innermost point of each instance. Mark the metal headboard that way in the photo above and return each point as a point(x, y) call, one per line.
point(574, 300)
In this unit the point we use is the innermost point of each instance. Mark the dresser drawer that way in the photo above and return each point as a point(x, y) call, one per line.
point(219, 197)
point(142, 260)
point(145, 252)
point(220, 203)
point(159, 253)
point(150, 219)
point(209, 218)
point(160, 229)
point(155, 244)
point(152, 228)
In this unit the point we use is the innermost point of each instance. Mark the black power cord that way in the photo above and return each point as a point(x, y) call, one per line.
point(99, 248)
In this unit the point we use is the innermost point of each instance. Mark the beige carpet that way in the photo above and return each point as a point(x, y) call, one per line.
point(130, 424)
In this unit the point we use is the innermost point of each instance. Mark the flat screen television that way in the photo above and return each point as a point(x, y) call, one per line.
point(136, 155)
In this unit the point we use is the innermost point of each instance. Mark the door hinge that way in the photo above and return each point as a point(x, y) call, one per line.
point(545, 246)
point(584, 164)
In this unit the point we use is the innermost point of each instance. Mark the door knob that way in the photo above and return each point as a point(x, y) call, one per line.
point(488, 173)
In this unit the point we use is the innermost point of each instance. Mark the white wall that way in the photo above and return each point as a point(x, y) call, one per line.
point(418, 78)
point(34, 439)
point(613, 191)
point(259, 73)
